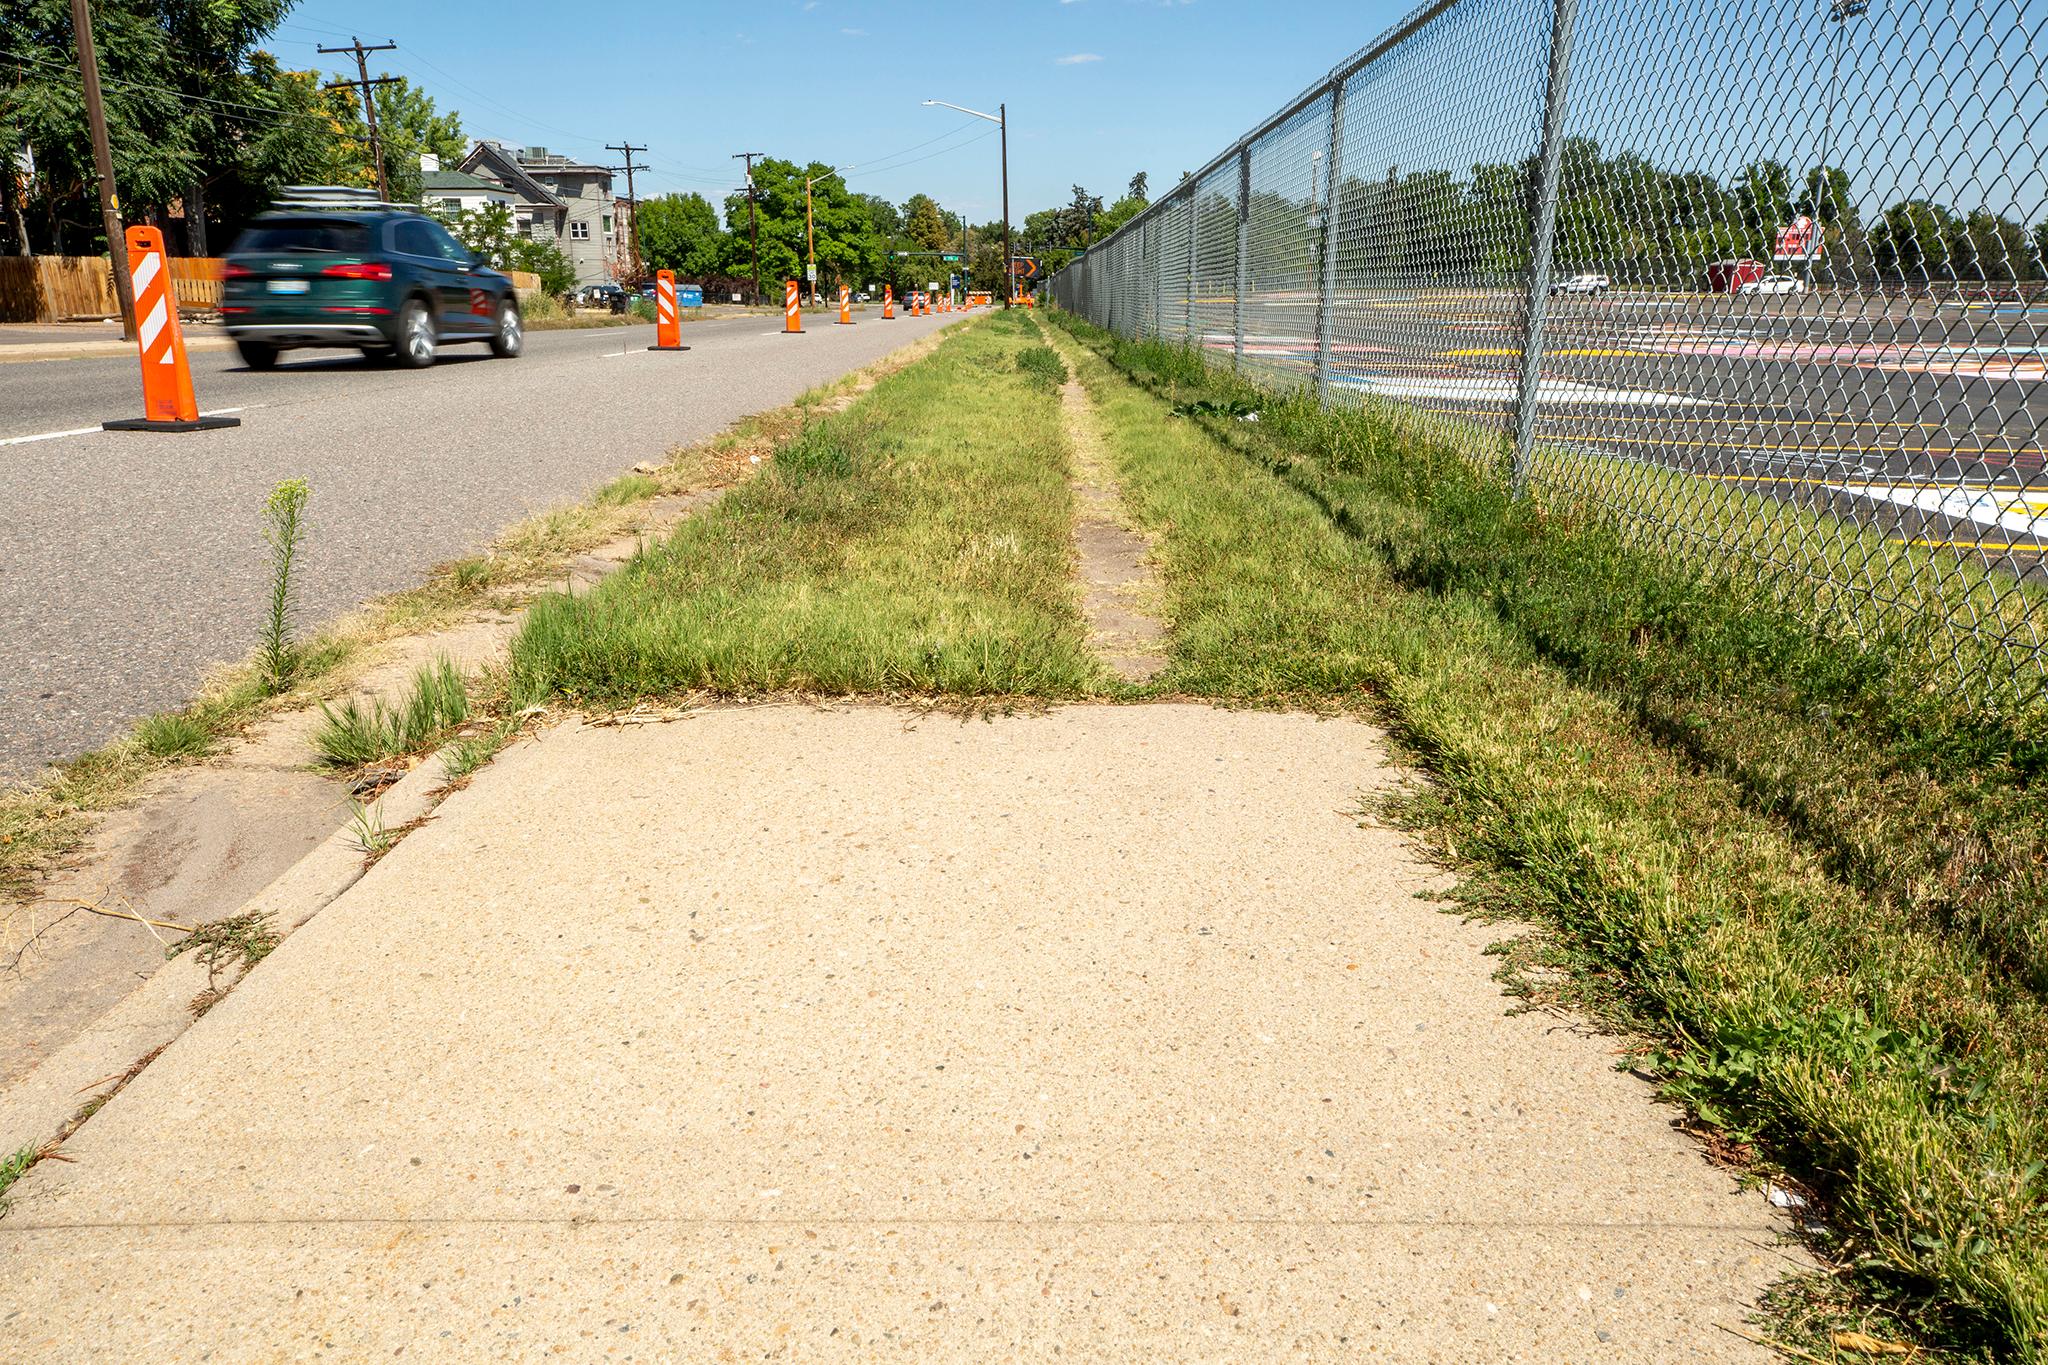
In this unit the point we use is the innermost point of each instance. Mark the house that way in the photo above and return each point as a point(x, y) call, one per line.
point(554, 198)
point(454, 192)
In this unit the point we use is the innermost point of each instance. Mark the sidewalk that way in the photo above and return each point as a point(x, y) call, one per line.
point(85, 340)
point(788, 1032)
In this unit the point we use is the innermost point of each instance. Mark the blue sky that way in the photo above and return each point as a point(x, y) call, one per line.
point(1097, 89)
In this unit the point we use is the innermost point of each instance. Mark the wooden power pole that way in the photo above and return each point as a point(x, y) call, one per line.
point(103, 163)
point(627, 149)
point(355, 46)
point(753, 225)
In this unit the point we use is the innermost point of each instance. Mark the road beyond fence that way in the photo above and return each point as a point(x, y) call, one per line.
point(1516, 223)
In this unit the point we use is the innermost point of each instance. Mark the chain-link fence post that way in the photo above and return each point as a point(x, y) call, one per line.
point(1244, 255)
point(1326, 288)
point(1194, 254)
point(1544, 204)
point(1157, 260)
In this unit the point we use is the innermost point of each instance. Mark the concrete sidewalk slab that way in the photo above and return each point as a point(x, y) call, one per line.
point(786, 1031)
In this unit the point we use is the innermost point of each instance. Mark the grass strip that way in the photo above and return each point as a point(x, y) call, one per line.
point(915, 542)
point(1575, 696)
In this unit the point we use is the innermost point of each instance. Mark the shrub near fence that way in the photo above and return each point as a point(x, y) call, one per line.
point(65, 288)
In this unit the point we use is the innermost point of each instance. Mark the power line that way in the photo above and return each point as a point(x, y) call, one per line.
point(626, 149)
point(369, 100)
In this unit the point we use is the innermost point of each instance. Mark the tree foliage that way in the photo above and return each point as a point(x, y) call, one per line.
point(201, 120)
point(680, 232)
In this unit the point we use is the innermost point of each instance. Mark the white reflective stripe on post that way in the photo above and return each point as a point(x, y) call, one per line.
point(145, 270)
point(154, 323)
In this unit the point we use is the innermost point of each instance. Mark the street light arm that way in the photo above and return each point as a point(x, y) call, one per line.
point(992, 118)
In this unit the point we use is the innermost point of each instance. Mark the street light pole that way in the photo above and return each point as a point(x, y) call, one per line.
point(1001, 118)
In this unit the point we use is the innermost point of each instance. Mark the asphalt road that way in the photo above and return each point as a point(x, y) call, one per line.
point(133, 562)
point(1924, 421)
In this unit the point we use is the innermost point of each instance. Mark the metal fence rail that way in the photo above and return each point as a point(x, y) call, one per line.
point(1762, 282)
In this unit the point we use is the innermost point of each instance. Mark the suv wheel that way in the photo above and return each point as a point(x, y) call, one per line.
point(415, 336)
point(510, 334)
point(257, 355)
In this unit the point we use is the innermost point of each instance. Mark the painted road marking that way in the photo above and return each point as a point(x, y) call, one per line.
point(1506, 350)
point(1980, 545)
point(2021, 510)
point(1500, 390)
point(94, 431)
point(46, 436)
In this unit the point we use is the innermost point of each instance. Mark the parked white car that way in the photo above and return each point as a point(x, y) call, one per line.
point(1581, 284)
point(1773, 284)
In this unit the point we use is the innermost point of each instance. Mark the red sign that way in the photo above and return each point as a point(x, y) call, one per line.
point(1799, 242)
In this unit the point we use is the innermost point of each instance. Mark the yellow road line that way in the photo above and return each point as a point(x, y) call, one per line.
point(1978, 545)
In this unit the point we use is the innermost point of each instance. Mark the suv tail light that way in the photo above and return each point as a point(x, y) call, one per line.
point(359, 270)
point(231, 271)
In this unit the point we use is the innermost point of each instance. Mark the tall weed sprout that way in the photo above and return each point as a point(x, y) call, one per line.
point(284, 526)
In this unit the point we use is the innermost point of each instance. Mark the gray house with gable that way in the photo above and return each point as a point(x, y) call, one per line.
point(554, 198)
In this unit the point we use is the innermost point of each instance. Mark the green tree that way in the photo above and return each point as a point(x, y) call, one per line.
point(1912, 240)
point(152, 129)
point(680, 232)
point(1119, 213)
point(407, 124)
point(1763, 203)
point(849, 251)
point(925, 226)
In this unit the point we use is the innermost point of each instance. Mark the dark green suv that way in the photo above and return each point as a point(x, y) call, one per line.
point(329, 268)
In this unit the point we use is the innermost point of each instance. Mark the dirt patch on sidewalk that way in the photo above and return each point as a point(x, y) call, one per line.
point(1118, 591)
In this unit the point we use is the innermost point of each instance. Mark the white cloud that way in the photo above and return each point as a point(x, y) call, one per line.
point(853, 32)
point(1078, 58)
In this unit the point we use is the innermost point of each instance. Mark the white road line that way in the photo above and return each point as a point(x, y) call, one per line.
point(46, 436)
point(94, 431)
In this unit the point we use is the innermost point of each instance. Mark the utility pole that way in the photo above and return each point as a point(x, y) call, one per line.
point(103, 162)
point(753, 224)
point(626, 149)
point(369, 102)
point(810, 243)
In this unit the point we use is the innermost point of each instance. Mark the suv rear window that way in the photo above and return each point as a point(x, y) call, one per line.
point(310, 234)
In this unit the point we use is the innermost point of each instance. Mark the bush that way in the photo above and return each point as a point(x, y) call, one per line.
point(1043, 364)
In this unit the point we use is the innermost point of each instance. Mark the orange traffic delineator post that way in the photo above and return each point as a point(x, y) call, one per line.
point(845, 306)
point(668, 324)
point(888, 303)
point(792, 310)
point(168, 403)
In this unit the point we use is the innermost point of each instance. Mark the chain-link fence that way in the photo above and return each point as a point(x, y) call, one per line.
point(1761, 281)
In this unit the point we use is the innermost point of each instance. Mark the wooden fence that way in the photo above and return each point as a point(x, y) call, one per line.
point(63, 288)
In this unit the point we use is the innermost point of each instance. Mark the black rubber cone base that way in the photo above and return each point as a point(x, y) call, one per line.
point(668, 348)
point(146, 424)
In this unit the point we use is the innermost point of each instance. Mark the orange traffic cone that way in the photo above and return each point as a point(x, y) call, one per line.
point(845, 306)
point(668, 323)
point(168, 403)
point(888, 303)
point(792, 310)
